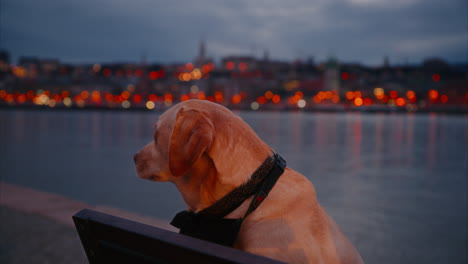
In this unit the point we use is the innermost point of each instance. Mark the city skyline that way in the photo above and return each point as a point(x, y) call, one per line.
point(358, 31)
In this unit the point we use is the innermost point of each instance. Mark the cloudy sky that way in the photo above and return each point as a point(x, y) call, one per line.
point(364, 31)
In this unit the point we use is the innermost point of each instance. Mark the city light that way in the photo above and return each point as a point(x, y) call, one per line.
point(236, 99)
point(67, 101)
point(344, 76)
point(126, 104)
point(230, 65)
point(276, 99)
point(379, 92)
point(154, 75)
point(240, 81)
point(150, 105)
point(219, 98)
point(433, 95)
point(444, 98)
point(400, 101)
point(358, 101)
point(254, 106)
point(301, 103)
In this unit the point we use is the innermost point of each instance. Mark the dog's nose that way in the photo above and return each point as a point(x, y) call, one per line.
point(135, 157)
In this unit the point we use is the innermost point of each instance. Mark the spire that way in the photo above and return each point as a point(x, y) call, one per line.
point(202, 49)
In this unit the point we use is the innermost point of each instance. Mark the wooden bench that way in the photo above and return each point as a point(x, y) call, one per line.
point(111, 239)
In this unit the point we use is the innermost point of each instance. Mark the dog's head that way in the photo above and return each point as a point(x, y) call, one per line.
point(182, 134)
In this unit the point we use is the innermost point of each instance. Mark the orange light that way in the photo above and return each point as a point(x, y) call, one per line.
point(349, 95)
point(321, 95)
point(154, 75)
point(152, 97)
point(261, 100)
point(384, 99)
point(21, 98)
point(358, 101)
point(230, 65)
point(9, 98)
point(243, 66)
point(186, 77)
point(125, 95)
point(299, 94)
point(393, 94)
point(379, 92)
point(137, 98)
point(30, 95)
point(84, 95)
point(410, 94)
point(168, 98)
point(109, 97)
point(316, 99)
point(95, 96)
point(57, 97)
point(184, 97)
point(344, 76)
point(336, 99)
point(3, 93)
point(276, 99)
point(65, 94)
point(367, 101)
point(189, 66)
point(268, 95)
point(118, 99)
point(236, 99)
point(357, 94)
point(201, 95)
point(444, 98)
point(400, 101)
point(219, 97)
point(433, 94)
point(205, 68)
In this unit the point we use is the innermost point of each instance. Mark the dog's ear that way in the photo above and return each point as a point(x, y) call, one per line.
point(192, 135)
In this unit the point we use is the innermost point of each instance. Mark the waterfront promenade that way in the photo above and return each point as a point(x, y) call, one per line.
point(37, 227)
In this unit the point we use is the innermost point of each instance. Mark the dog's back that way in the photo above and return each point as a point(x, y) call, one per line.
point(292, 226)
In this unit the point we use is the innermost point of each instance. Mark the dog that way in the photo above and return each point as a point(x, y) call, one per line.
point(207, 151)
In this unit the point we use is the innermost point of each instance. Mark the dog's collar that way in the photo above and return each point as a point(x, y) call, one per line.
point(237, 196)
point(209, 223)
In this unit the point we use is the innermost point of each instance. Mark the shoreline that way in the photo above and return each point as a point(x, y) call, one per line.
point(450, 110)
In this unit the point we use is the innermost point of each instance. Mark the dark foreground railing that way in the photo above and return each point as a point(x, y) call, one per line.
point(111, 239)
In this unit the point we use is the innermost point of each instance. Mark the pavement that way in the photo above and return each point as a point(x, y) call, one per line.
point(37, 227)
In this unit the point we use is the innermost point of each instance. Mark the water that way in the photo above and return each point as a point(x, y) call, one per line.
point(395, 183)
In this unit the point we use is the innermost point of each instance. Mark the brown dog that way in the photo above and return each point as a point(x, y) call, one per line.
point(207, 151)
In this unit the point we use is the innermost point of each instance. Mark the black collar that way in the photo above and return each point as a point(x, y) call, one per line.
point(209, 224)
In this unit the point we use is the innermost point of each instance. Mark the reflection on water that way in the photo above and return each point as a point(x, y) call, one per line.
point(395, 183)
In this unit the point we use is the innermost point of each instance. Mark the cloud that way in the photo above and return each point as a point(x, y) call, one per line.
point(167, 31)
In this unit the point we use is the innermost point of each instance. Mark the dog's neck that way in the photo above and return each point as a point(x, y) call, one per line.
point(209, 180)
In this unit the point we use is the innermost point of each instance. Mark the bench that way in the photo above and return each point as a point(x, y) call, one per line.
point(111, 239)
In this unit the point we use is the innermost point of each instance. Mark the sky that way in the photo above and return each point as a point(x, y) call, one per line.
point(353, 31)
